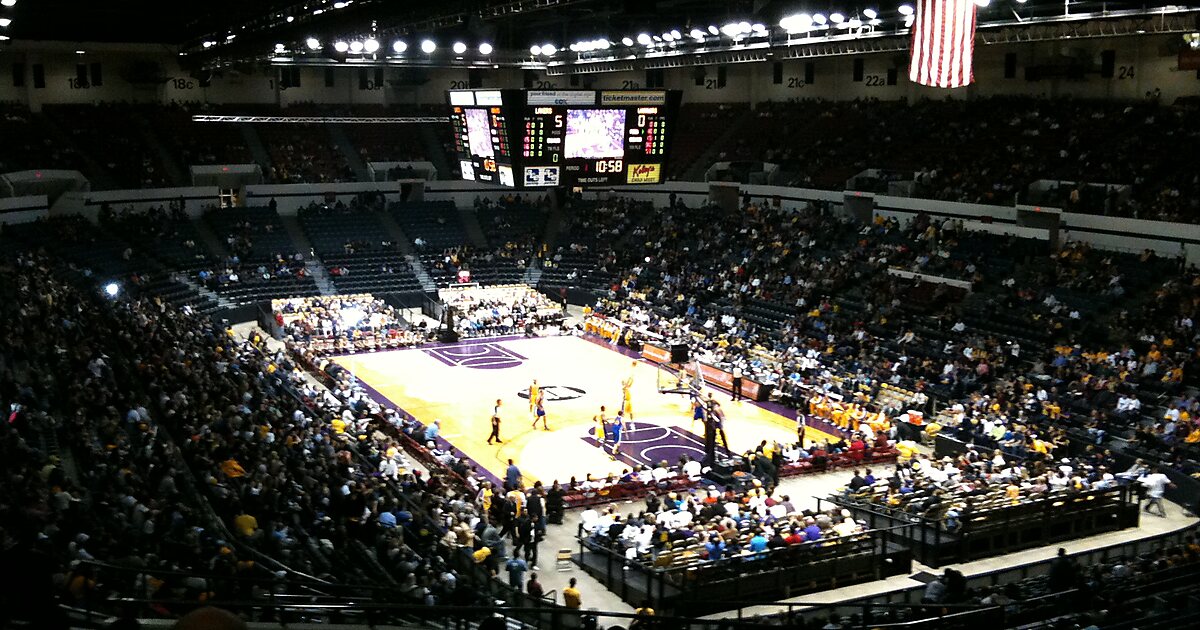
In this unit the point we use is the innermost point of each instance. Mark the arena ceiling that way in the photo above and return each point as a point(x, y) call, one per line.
point(245, 30)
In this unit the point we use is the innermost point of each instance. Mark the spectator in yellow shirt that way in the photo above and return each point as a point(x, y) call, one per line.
point(572, 598)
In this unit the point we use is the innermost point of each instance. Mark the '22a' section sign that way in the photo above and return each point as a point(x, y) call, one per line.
point(557, 392)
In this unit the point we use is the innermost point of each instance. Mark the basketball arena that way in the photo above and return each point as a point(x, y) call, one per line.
point(555, 314)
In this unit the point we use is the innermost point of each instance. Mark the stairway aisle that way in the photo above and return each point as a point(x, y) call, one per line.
point(257, 149)
point(470, 223)
point(696, 170)
point(210, 239)
point(203, 290)
point(434, 150)
point(397, 233)
point(343, 143)
point(319, 274)
point(175, 171)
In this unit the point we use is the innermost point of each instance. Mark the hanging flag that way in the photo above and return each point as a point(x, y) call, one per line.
point(943, 45)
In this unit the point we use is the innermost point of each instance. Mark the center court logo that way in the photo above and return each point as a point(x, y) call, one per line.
point(557, 393)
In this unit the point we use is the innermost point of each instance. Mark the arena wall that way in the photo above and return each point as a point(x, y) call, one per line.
point(1142, 64)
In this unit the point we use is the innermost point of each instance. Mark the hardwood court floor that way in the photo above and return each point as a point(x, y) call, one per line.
point(459, 384)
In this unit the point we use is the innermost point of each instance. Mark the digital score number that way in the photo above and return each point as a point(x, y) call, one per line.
point(610, 166)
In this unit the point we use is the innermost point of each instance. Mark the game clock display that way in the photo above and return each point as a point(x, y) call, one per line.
point(575, 138)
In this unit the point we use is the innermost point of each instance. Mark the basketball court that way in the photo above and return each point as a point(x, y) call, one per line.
point(459, 384)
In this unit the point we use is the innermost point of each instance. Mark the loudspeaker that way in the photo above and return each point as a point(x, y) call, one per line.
point(777, 73)
point(810, 72)
point(858, 70)
point(447, 335)
point(679, 353)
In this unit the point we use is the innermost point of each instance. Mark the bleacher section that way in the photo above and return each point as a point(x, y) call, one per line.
point(302, 154)
point(125, 156)
point(436, 224)
point(198, 143)
point(349, 243)
point(263, 261)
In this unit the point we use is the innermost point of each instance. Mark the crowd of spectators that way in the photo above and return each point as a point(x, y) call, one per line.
point(709, 525)
point(994, 149)
point(1078, 344)
point(345, 323)
point(489, 311)
point(167, 415)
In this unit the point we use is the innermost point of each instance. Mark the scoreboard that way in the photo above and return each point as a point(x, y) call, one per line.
point(574, 138)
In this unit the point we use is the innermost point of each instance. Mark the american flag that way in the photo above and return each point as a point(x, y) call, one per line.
point(943, 46)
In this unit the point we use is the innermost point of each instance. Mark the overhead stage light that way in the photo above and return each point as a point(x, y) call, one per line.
point(428, 47)
point(644, 39)
point(870, 14)
point(906, 9)
point(399, 46)
point(549, 50)
point(341, 46)
point(371, 45)
point(627, 41)
point(356, 46)
point(535, 50)
point(313, 43)
point(485, 48)
point(459, 48)
point(8, 3)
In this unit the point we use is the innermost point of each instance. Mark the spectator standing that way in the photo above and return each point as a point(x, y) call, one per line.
point(533, 587)
point(516, 568)
point(1063, 573)
point(1156, 485)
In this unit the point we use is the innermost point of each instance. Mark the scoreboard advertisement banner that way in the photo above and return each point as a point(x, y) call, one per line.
point(574, 138)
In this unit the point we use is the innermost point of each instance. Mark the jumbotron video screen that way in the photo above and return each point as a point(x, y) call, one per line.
point(571, 138)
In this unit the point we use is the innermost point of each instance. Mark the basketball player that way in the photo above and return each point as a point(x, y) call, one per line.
point(615, 432)
point(533, 397)
point(495, 435)
point(697, 411)
point(539, 412)
point(601, 426)
point(626, 396)
point(718, 419)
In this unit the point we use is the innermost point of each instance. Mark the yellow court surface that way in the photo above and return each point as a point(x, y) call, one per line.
point(459, 384)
